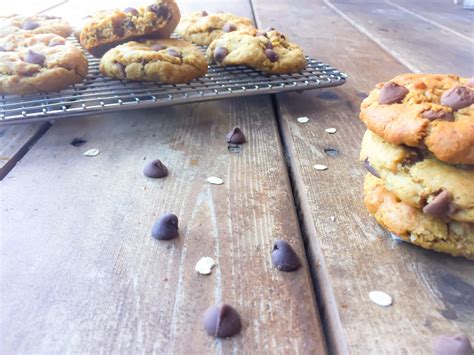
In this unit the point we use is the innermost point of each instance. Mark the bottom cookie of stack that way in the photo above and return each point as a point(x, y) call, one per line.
point(412, 225)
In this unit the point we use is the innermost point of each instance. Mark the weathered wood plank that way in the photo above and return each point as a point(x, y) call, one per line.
point(349, 253)
point(418, 44)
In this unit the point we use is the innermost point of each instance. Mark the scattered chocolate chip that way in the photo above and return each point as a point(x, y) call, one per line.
point(284, 257)
point(438, 115)
point(370, 168)
point(228, 27)
point(269, 45)
point(160, 11)
point(271, 55)
point(77, 142)
point(158, 47)
point(440, 206)
point(166, 227)
point(132, 11)
point(155, 169)
point(236, 136)
point(56, 42)
point(220, 53)
point(2, 49)
point(458, 97)
point(34, 58)
point(174, 53)
point(29, 25)
point(458, 344)
point(222, 320)
point(204, 13)
point(392, 93)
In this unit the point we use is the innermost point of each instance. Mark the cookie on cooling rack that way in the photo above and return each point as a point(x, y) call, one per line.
point(202, 28)
point(267, 51)
point(412, 225)
point(166, 60)
point(420, 180)
point(107, 29)
point(17, 24)
point(425, 110)
point(32, 63)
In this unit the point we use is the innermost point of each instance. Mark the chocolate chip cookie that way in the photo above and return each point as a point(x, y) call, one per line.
point(202, 28)
point(267, 51)
point(108, 29)
point(16, 24)
point(31, 63)
point(420, 180)
point(166, 60)
point(414, 226)
point(425, 110)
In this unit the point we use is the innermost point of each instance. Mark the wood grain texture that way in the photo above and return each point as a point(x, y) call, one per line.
point(349, 253)
point(421, 45)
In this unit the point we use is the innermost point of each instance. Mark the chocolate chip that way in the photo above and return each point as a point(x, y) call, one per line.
point(159, 11)
point(458, 97)
point(174, 53)
point(452, 345)
point(269, 45)
point(56, 42)
point(228, 27)
point(155, 169)
point(271, 55)
point(222, 320)
point(77, 142)
point(284, 257)
point(132, 11)
point(392, 93)
point(370, 168)
point(415, 156)
point(236, 136)
point(158, 47)
point(34, 58)
point(118, 29)
point(204, 13)
point(440, 206)
point(29, 25)
point(438, 115)
point(166, 227)
point(2, 49)
point(220, 53)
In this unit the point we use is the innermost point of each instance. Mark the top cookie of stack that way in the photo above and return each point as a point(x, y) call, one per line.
point(419, 153)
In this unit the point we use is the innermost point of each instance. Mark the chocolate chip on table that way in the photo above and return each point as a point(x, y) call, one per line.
point(132, 11)
point(222, 320)
point(392, 93)
point(458, 97)
point(158, 47)
point(284, 257)
point(236, 136)
point(155, 169)
point(160, 11)
point(438, 115)
point(440, 206)
point(204, 13)
point(29, 25)
point(370, 168)
point(77, 142)
point(452, 345)
point(228, 27)
point(220, 53)
point(34, 58)
point(174, 53)
point(166, 227)
point(271, 55)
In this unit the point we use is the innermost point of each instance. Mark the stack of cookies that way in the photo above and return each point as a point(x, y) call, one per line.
point(419, 153)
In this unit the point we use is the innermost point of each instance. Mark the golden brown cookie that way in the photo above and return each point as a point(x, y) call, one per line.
point(31, 63)
point(18, 24)
point(412, 225)
point(202, 28)
point(108, 29)
point(268, 51)
point(425, 110)
point(165, 60)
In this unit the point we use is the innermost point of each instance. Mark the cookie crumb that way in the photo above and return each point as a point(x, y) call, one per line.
point(380, 298)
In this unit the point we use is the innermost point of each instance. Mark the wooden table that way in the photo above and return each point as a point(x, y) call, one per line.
point(80, 273)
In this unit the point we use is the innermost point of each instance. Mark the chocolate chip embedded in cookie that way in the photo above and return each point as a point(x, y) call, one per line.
point(107, 29)
point(17, 24)
point(425, 110)
point(269, 52)
point(440, 189)
point(31, 63)
point(412, 225)
point(202, 28)
point(165, 60)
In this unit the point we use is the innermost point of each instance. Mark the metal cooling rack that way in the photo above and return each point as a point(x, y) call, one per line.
point(99, 94)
